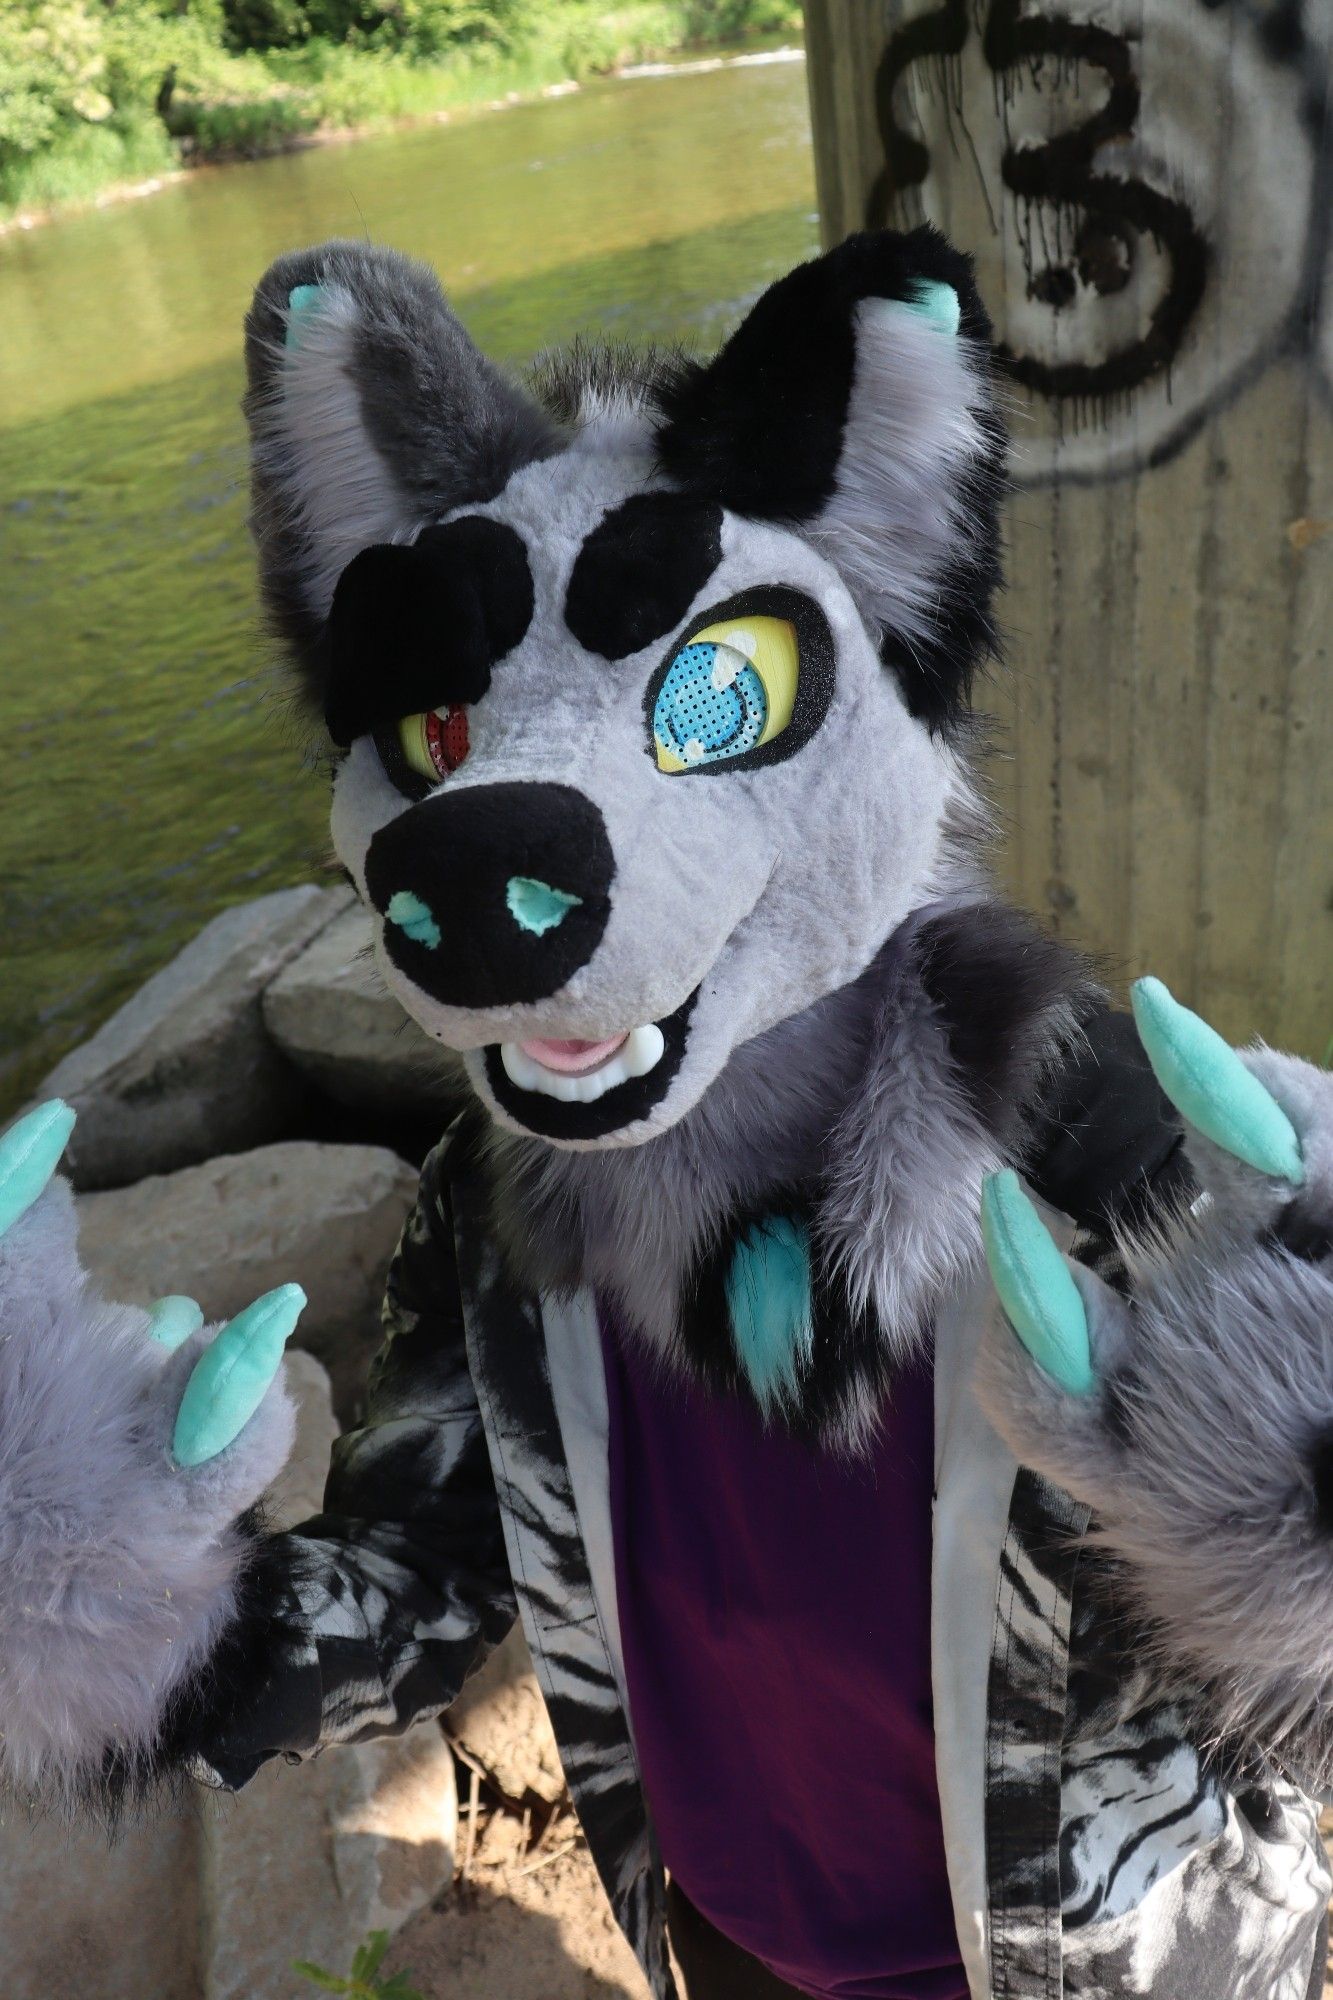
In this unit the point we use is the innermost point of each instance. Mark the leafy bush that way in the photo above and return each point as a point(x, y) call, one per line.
point(52, 73)
point(96, 91)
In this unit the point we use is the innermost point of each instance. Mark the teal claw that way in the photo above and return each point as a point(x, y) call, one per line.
point(29, 1155)
point(1036, 1287)
point(231, 1377)
point(1211, 1087)
point(172, 1320)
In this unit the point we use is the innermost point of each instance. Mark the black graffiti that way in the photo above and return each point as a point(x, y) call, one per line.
point(1115, 214)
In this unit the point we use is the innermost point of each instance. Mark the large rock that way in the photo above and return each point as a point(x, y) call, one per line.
point(330, 1011)
point(214, 1904)
point(501, 1720)
point(81, 1916)
point(185, 1069)
point(307, 1860)
point(325, 1216)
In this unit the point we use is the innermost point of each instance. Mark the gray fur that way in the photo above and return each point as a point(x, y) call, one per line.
point(575, 382)
point(118, 1571)
point(816, 874)
point(857, 1095)
point(382, 418)
point(917, 422)
point(1195, 1453)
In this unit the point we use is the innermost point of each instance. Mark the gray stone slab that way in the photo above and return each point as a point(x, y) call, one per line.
point(326, 1217)
point(330, 1012)
point(185, 1068)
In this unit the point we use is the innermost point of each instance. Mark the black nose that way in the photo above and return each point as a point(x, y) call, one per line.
point(493, 894)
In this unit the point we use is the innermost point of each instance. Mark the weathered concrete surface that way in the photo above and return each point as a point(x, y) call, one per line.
point(330, 1012)
point(324, 1216)
point(185, 1069)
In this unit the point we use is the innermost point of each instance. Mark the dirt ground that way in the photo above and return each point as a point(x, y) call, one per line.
point(526, 1920)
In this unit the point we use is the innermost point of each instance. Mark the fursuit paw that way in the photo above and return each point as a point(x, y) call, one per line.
point(130, 1442)
point(1193, 1414)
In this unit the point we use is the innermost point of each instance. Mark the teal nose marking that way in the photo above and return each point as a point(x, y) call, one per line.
point(412, 915)
point(536, 906)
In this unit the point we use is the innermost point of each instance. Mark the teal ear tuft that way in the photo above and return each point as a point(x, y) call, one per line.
point(1211, 1087)
point(537, 907)
point(769, 1304)
point(939, 303)
point(302, 301)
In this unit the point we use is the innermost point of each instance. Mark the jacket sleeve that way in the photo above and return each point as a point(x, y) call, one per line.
point(370, 1616)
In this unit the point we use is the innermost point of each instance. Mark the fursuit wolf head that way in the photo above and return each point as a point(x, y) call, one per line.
point(645, 675)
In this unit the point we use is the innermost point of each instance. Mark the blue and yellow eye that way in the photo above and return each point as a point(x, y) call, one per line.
point(729, 689)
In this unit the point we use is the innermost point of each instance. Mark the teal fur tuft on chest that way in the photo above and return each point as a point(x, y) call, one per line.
point(770, 1305)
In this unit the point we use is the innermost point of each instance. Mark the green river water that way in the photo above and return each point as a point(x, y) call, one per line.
point(148, 776)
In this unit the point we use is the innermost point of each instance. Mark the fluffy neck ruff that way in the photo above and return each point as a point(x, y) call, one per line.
point(871, 1117)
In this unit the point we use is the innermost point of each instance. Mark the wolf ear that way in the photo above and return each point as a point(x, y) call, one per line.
point(371, 414)
point(855, 404)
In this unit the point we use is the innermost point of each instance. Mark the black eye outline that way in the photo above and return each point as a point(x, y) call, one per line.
point(815, 675)
point(414, 785)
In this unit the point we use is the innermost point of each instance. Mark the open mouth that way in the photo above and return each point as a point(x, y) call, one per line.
point(582, 1090)
point(576, 1072)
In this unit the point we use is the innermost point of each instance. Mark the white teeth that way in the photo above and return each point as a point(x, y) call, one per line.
point(640, 1052)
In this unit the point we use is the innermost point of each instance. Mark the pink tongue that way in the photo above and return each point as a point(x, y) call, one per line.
point(572, 1058)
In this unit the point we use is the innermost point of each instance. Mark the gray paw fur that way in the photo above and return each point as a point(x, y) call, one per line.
point(118, 1568)
point(1205, 1450)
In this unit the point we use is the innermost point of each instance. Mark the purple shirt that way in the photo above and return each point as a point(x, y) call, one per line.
point(775, 1622)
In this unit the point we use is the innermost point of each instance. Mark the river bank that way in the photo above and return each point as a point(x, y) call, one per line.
point(211, 107)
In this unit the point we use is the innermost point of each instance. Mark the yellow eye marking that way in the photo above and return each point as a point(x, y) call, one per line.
point(416, 750)
point(769, 646)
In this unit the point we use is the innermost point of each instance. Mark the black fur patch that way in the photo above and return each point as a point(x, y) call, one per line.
point(640, 570)
point(1107, 1145)
point(1321, 1475)
point(457, 852)
point(417, 626)
point(997, 979)
point(449, 426)
point(760, 428)
point(815, 682)
point(1307, 1236)
point(623, 1105)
